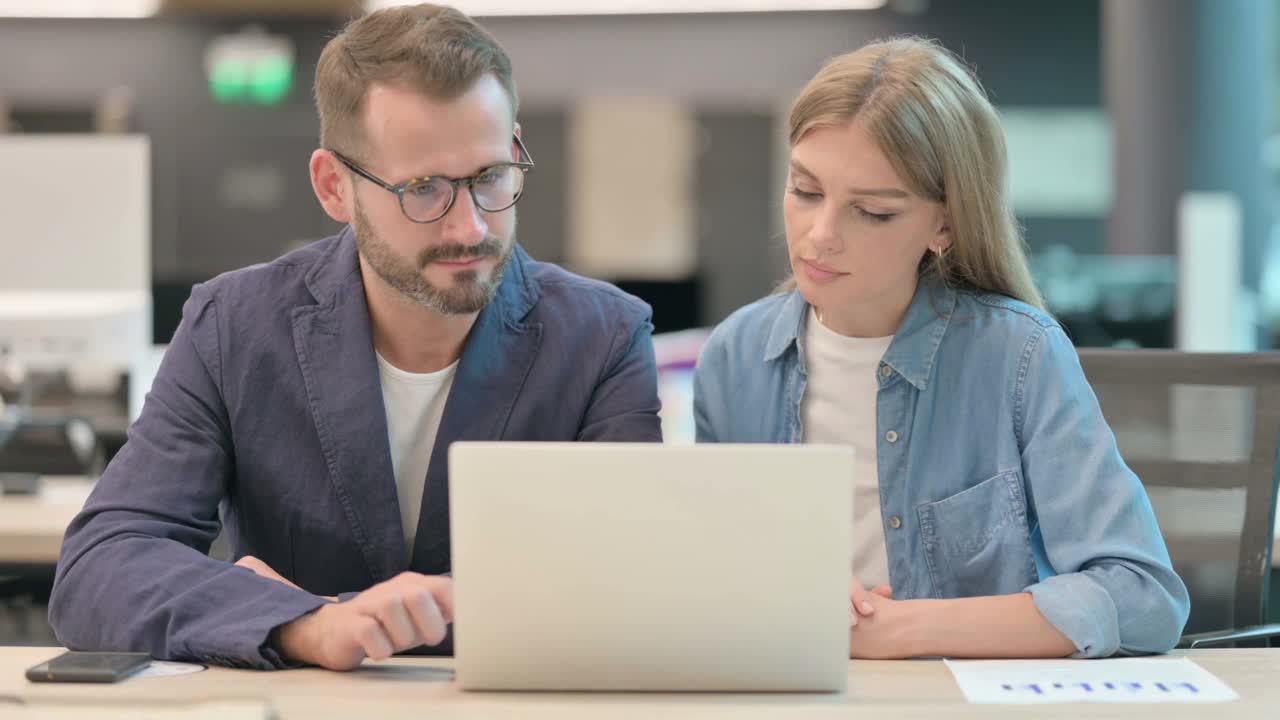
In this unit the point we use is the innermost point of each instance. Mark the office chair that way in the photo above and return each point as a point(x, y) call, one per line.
point(1201, 431)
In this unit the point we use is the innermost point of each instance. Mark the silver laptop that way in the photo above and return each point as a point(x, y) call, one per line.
point(644, 567)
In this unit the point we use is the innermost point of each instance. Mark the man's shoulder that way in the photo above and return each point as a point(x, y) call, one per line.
point(278, 283)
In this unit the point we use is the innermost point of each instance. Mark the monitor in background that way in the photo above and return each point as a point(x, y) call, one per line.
point(75, 283)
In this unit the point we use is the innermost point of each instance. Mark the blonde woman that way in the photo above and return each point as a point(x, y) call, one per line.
point(994, 516)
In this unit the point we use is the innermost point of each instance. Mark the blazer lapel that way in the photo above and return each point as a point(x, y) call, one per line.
point(495, 362)
point(335, 352)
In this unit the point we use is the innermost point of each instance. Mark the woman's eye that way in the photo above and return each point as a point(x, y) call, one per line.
point(875, 217)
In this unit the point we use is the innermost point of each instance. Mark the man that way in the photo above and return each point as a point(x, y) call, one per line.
point(314, 398)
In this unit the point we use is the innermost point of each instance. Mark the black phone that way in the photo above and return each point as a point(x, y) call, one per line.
point(89, 667)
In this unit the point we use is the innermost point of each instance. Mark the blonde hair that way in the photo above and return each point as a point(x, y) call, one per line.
point(435, 49)
point(931, 118)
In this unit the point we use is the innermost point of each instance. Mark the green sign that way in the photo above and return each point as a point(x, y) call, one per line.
point(262, 82)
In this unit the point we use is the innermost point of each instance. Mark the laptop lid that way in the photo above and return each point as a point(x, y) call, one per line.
point(589, 566)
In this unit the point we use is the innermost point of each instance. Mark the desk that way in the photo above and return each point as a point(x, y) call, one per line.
point(31, 527)
point(420, 688)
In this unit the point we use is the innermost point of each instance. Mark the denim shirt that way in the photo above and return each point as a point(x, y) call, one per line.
point(997, 471)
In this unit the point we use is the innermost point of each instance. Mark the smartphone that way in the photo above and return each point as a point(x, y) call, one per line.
point(89, 667)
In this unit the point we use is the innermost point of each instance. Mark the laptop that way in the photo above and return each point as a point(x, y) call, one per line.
point(647, 567)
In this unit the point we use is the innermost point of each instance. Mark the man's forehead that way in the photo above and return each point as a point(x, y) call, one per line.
point(401, 97)
point(408, 124)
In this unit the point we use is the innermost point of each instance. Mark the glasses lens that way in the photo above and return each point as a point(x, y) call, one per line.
point(498, 188)
point(427, 200)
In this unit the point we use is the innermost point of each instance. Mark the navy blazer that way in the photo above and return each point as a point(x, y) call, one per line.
point(268, 404)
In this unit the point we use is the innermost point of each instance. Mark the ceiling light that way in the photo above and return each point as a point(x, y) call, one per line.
point(490, 8)
point(78, 8)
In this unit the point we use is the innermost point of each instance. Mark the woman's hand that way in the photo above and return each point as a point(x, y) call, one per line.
point(860, 600)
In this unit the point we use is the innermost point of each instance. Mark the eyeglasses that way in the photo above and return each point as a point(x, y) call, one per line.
point(427, 199)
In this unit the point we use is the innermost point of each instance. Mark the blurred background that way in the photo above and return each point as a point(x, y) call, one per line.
point(146, 145)
point(659, 138)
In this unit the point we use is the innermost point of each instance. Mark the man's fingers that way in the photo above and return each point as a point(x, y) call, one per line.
point(402, 613)
point(397, 624)
point(442, 593)
point(884, 591)
point(427, 617)
point(370, 636)
point(439, 587)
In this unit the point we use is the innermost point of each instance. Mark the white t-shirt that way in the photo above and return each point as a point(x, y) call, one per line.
point(839, 408)
point(414, 403)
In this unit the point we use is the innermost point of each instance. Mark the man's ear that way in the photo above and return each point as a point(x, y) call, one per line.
point(515, 149)
point(332, 185)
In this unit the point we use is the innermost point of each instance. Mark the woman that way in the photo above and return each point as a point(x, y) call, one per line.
point(994, 516)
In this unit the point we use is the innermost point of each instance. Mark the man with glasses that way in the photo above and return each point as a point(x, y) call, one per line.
point(306, 405)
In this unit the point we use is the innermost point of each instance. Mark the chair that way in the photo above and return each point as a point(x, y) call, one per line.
point(1201, 431)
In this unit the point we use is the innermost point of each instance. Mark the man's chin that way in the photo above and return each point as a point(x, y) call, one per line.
point(465, 301)
point(463, 293)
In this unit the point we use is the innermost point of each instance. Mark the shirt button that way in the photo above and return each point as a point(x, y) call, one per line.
point(891, 436)
point(885, 371)
point(895, 522)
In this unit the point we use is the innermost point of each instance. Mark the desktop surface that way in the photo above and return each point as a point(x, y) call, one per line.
point(417, 688)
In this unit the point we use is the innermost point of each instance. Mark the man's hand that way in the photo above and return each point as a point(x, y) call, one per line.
point(266, 571)
point(402, 613)
point(263, 569)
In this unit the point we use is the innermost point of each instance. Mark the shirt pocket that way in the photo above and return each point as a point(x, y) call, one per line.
point(977, 542)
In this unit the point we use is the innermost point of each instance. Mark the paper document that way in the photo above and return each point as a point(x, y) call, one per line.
point(1121, 680)
point(161, 669)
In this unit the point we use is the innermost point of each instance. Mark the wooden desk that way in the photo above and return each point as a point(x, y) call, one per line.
point(420, 688)
point(31, 527)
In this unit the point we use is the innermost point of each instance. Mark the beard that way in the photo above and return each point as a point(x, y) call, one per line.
point(469, 293)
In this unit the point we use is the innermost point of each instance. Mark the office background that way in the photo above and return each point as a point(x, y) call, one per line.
point(709, 94)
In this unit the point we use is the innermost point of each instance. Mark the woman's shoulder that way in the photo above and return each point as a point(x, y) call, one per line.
point(748, 330)
point(759, 315)
point(991, 316)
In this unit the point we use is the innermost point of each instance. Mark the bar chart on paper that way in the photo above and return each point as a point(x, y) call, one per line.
point(1122, 680)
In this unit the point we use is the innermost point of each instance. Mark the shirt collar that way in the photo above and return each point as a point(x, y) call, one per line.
point(915, 344)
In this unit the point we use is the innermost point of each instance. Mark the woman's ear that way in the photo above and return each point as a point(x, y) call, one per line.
point(942, 234)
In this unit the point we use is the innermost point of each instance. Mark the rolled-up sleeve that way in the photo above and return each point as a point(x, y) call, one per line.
point(1109, 585)
point(134, 573)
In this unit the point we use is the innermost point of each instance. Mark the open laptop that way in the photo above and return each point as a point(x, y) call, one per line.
point(645, 567)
